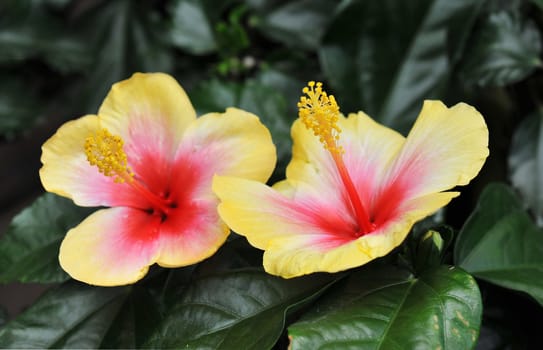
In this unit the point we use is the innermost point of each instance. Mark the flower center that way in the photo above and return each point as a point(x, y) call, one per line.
point(105, 151)
point(320, 113)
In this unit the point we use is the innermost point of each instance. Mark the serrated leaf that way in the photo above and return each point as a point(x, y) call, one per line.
point(71, 315)
point(500, 244)
point(382, 309)
point(504, 50)
point(386, 57)
point(525, 162)
point(297, 24)
point(29, 248)
point(236, 310)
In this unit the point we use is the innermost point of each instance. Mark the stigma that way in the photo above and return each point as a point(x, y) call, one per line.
point(105, 151)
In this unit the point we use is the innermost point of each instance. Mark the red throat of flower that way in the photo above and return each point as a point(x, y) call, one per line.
point(105, 151)
point(320, 113)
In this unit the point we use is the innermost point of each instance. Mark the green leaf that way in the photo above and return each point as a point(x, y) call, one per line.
point(382, 308)
point(127, 37)
point(29, 249)
point(191, 29)
point(526, 162)
point(539, 3)
point(236, 310)
point(504, 50)
point(34, 32)
point(17, 114)
point(386, 57)
point(500, 244)
point(69, 316)
point(297, 24)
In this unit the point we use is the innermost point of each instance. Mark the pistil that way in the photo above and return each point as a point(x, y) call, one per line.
point(320, 113)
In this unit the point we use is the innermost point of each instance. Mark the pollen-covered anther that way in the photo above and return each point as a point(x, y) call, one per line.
point(320, 113)
point(105, 151)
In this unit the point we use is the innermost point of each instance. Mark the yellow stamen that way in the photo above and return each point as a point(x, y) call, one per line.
point(105, 151)
point(320, 113)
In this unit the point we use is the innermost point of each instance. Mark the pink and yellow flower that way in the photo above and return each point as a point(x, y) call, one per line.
point(147, 157)
point(353, 188)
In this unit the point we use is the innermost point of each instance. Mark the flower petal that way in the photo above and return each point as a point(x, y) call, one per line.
point(111, 247)
point(234, 143)
point(263, 214)
point(191, 234)
point(299, 254)
point(151, 113)
point(67, 172)
point(446, 147)
point(369, 149)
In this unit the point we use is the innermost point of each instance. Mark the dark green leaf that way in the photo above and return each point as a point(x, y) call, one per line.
point(236, 310)
point(526, 162)
point(127, 38)
point(298, 24)
point(191, 28)
point(69, 316)
point(29, 249)
point(384, 309)
point(17, 113)
point(500, 244)
point(386, 57)
point(538, 3)
point(36, 33)
point(504, 50)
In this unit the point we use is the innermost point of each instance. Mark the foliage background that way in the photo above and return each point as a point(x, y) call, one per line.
point(58, 59)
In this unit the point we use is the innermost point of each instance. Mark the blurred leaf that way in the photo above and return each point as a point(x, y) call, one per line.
point(526, 162)
point(36, 33)
point(500, 244)
point(29, 249)
point(69, 316)
point(237, 310)
point(504, 50)
point(386, 57)
point(19, 105)
point(385, 309)
point(127, 37)
point(191, 29)
point(538, 3)
point(297, 24)
point(264, 101)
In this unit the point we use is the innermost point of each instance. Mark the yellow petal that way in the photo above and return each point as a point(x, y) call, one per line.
point(446, 147)
point(234, 143)
point(148, 106)
point(111, 247)
point(67, 172)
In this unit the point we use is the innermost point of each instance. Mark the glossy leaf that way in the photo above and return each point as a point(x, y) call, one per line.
point(500, 244)
point(298, 24)
point(384, 308)
point(29, 248)
point(386, 57)
point(504, 50)
point(69, 316)
point(526, 162)
point(237, 310)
